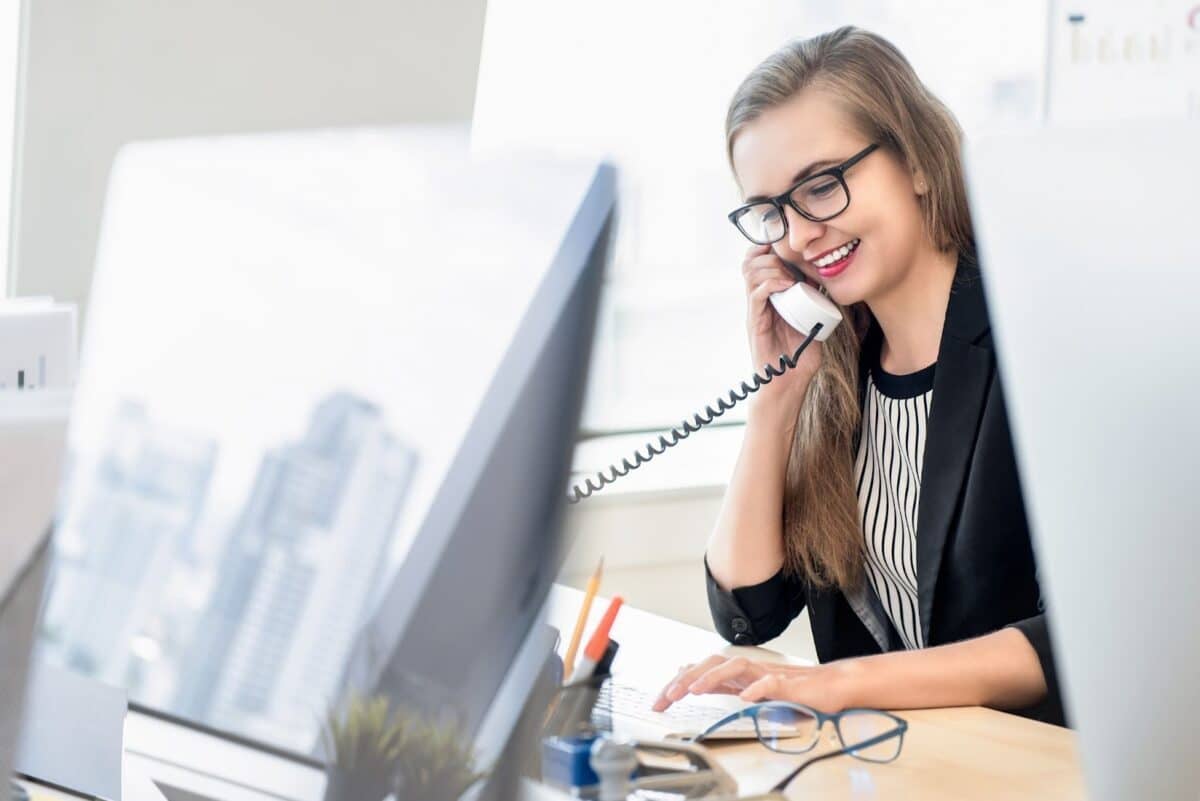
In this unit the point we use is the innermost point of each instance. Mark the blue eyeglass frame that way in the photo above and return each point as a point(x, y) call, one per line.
point(821, 718)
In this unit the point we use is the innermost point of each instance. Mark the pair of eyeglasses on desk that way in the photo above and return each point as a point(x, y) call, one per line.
point(871, 735)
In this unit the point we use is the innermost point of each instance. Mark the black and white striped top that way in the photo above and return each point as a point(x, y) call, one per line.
point(888, 470)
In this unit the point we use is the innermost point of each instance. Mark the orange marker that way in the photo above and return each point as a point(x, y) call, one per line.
point(577, 635)
point(595, 647)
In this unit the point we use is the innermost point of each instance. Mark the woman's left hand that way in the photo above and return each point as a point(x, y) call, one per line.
point(820, 686)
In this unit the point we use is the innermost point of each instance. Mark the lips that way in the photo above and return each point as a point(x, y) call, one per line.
point(837, 260)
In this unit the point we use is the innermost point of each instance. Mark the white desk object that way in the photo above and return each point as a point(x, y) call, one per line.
point(37, 344)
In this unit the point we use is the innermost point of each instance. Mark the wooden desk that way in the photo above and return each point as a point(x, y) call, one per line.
point(964, 753)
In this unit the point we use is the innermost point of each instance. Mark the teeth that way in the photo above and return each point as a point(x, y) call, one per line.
point(836, 255)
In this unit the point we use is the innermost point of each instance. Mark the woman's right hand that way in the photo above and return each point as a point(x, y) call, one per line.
point(771, 336)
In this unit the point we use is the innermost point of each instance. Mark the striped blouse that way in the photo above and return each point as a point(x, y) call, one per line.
point(888, 470)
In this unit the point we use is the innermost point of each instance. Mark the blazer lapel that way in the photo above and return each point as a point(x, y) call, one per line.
point(960, 383)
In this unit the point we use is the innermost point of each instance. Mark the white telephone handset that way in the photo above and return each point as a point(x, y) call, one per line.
point(803, 308)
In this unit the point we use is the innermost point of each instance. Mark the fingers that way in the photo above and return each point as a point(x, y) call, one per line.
point(762, 261)
point(717, 674)
point(687, 674)
point(730, 676)
point(769, 687)
point(764, 266)
point(768, 287)
point(799, 685)
point(753, 252)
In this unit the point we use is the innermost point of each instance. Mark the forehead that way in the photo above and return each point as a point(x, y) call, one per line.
point(811, 126)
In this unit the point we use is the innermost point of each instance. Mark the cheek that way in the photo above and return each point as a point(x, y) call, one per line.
point(892, 229)
point(895, 225)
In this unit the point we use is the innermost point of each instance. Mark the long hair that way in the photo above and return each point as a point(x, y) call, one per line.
point(875, 84)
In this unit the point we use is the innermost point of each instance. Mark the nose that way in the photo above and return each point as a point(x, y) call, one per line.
point(801, 230)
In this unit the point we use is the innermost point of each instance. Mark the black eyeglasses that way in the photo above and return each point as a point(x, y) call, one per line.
point(818, 197)
point(871, 735)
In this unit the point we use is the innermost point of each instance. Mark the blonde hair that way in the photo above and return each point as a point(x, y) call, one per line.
point(875, 84)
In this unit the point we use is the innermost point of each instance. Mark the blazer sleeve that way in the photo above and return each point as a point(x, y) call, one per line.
point(755, 614)
point(1051, 708)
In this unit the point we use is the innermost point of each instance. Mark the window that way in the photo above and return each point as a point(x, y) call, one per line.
point(10, 27)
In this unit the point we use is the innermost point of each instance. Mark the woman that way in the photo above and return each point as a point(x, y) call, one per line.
point(876, 483)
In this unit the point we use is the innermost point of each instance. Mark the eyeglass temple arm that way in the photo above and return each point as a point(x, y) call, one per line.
point(845, 165)
point(876, 740)
point(786, 780)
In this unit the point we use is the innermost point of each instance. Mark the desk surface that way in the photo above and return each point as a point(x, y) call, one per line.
point(963, 753)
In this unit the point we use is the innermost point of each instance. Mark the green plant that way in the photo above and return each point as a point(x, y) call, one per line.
point(436, 762)
point(366, 739)
point(374, 748)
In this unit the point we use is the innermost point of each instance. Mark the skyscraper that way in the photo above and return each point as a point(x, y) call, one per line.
point(297, 574)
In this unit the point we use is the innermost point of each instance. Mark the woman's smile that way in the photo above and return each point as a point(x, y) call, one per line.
point(834, 262)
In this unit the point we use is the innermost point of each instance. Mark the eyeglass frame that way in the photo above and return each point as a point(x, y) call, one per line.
point(837, 171)
point(821, 718)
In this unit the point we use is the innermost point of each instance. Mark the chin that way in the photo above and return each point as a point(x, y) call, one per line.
point(856, 285)
point(845, 293)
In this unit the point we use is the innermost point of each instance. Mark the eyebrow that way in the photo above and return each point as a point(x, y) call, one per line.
point(798, 177)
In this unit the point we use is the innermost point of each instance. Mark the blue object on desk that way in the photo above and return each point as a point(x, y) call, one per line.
point(566, 761)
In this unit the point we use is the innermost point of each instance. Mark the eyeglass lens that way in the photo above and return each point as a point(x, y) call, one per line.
point(786, 729)
point(861, 726)
point(790, 730)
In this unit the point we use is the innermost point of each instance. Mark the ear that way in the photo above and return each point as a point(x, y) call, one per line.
point(920, 185)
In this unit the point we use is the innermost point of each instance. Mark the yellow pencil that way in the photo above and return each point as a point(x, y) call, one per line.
point(588, 594)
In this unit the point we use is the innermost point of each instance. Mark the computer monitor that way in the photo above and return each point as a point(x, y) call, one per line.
point(1088, 250)
point(299, 344)
point(456, 633)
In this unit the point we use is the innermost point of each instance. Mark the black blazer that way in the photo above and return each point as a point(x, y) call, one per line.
point(975, 566)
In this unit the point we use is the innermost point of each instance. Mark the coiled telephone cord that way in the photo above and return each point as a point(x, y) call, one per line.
point(698, 421)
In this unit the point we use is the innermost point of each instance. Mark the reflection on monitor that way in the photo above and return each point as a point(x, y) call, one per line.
point(288, 338)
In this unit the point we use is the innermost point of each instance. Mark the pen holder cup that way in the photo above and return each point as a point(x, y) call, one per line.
point(581, 708)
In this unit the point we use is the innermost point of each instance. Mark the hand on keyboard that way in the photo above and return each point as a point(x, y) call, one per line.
point(685, 718)
point(717, 674)
point(821, 686)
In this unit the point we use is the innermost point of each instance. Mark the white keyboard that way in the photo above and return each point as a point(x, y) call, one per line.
point(683, 718)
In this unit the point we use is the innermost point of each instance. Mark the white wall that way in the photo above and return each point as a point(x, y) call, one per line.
point(99, 73)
